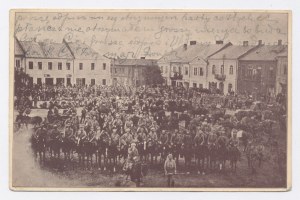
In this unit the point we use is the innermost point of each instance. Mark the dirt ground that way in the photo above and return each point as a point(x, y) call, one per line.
point(26, 172)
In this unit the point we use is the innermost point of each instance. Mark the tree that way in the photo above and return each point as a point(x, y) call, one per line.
point(153, 75)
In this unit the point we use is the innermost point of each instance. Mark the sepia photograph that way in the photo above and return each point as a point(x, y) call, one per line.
point(150, 100)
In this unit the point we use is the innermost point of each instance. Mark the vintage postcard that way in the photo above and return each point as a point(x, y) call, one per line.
point(150, 100)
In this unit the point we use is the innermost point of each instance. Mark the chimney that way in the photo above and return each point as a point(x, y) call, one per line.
point(143, 58)
point(279, 42)
point(219, 42)
point(245, 43)
point(185, 46)
point(193, 42)
point(259, 42)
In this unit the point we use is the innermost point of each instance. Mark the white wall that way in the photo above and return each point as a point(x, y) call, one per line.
point(98, 73)
point(54, 73)
point(197, 79)
point(230, 78)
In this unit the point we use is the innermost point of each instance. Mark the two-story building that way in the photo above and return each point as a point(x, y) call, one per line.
point(89, 67)
point(282, 72)
point(61, 63)
point(222, 68)
point(48, 63)
point(187, 65)
point(131, 71)
point(257, 70)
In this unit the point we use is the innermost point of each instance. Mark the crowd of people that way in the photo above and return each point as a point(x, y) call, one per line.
point(136, 118)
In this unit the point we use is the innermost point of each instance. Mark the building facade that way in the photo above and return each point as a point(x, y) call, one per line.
point(90, 67)
point(222, 68)
point(188, 64)
point(282, 73)
point(257, 71)
point(62, 63)
point(131, 71)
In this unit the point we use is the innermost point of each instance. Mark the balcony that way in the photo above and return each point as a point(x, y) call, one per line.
point(176, 76)
point(220, 77)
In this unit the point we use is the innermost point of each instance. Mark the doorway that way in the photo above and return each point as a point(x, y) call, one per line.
point(49, 81)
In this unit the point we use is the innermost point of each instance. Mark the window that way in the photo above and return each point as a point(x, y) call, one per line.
point(59, 66)
point(80, 81)
point(201, 71)
point(186, 71)
point(103, 81)
point(213, 69)
point(201, 86)
point(179, 70)
point(92, 81)
point(17, 63)
point(222, 69)
point(174, 69)
point(195, 71)
point(39, 81)
point(115, 70)
point(104, 66)
point(49, 65)
point(80, 66)
point(249, 73)
point(40, 65)
point(166, 71)
point(68, 66)
point(231, 69)
point(30, 65)
point(92, 66)
point(194, 85)
point(284, 69)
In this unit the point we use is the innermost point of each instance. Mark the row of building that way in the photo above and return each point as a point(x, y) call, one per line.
point(70, 63)
point(229, 68)
point(221, 66)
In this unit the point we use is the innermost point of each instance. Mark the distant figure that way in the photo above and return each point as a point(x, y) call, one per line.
point(170, 170)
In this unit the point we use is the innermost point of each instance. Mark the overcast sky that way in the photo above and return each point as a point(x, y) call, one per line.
point(133, 35)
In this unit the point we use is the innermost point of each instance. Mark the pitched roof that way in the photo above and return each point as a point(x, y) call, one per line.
point(32, 49)
point(136, 62)
point(265, 52)
point(83, 51)
point(18, 48)
point(55, 50)
point(233, 52)
point(193, 51)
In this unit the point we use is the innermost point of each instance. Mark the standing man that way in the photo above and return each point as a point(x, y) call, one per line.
point(170, 170)
point(83, 115)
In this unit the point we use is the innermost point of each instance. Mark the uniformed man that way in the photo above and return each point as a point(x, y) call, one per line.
point(115, 137)
point(152, 136)
point(233, 141)
point(199, 138)
point(91, 137)
point(94, 123)
point(164, 139)
point(81, 135)
point(126, 138)
point(69, 134)
point(222, 140)
point(141, 135)
point(212, 139)
point(104, 137)
point(132, 152)
point(55, 134)
point(40, 132)
point(170, 170)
